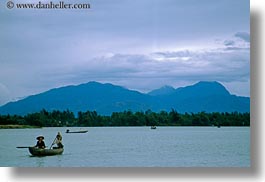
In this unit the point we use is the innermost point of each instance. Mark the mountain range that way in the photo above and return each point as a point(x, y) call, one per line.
point(108, 98)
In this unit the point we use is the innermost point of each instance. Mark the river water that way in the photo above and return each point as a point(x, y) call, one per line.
point(132, 147)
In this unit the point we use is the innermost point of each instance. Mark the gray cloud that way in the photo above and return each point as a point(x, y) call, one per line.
point(4, 94)
point(146, 72)
point(229, 42)
point(243, 35)
point(142, 72)
point(236, 48)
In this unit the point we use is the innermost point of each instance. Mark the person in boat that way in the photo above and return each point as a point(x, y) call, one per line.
point(40, 143)
point(58, 140)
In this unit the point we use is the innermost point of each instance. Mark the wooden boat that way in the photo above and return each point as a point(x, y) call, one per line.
point(81, 131)
point(45, 152)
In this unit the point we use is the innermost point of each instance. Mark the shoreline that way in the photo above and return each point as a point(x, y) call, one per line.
point(34, 127)
point(10, 126)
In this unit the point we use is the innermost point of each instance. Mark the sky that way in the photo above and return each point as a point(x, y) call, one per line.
point(141, 45)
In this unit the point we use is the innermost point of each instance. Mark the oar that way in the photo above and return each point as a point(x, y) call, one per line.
point(52, 143)
point(22, 147)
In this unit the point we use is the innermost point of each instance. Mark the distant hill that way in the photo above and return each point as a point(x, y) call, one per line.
point(108, 98)
point(166, 90)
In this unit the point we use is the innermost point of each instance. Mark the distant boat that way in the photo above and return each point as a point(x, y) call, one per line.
point(81, 131)
point(153, 127)
point(35, 151)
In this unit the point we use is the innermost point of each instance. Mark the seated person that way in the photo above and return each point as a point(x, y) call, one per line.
point(40, 143)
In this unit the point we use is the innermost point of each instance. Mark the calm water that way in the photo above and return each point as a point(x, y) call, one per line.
point(132, 147)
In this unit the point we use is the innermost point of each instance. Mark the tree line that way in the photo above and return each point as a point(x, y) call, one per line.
point(127, 118)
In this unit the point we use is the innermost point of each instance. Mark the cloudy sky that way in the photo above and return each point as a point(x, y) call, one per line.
point(138, 44)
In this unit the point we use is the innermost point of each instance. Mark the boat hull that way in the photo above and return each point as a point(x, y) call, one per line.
point(45, 152)
point(77, 131)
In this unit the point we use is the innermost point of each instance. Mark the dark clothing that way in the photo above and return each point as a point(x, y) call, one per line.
point(60, 145)
point(59, 137)
point(40, 144)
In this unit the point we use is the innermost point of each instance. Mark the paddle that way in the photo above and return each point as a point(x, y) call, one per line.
point(22, 147)
point(52, 143)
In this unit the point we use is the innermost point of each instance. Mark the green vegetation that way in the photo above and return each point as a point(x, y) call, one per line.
point(15, 126)
point(127, 118)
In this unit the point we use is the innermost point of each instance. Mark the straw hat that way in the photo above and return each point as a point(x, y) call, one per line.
point(40, 137)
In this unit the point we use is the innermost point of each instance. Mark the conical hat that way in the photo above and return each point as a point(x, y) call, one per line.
point(40, 137)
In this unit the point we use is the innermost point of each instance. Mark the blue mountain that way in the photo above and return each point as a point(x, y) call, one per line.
point(108, 98)
point(165, 90)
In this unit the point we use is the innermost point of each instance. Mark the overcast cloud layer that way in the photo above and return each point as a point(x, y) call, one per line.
point(141, 45)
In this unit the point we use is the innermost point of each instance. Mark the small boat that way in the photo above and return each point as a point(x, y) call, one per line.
point(35, 151)
point(153, 127)
point(81, 131)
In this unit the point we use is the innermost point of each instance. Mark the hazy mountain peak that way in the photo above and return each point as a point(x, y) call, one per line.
point(204, 88)
point(165, 90)
point(213, 86)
